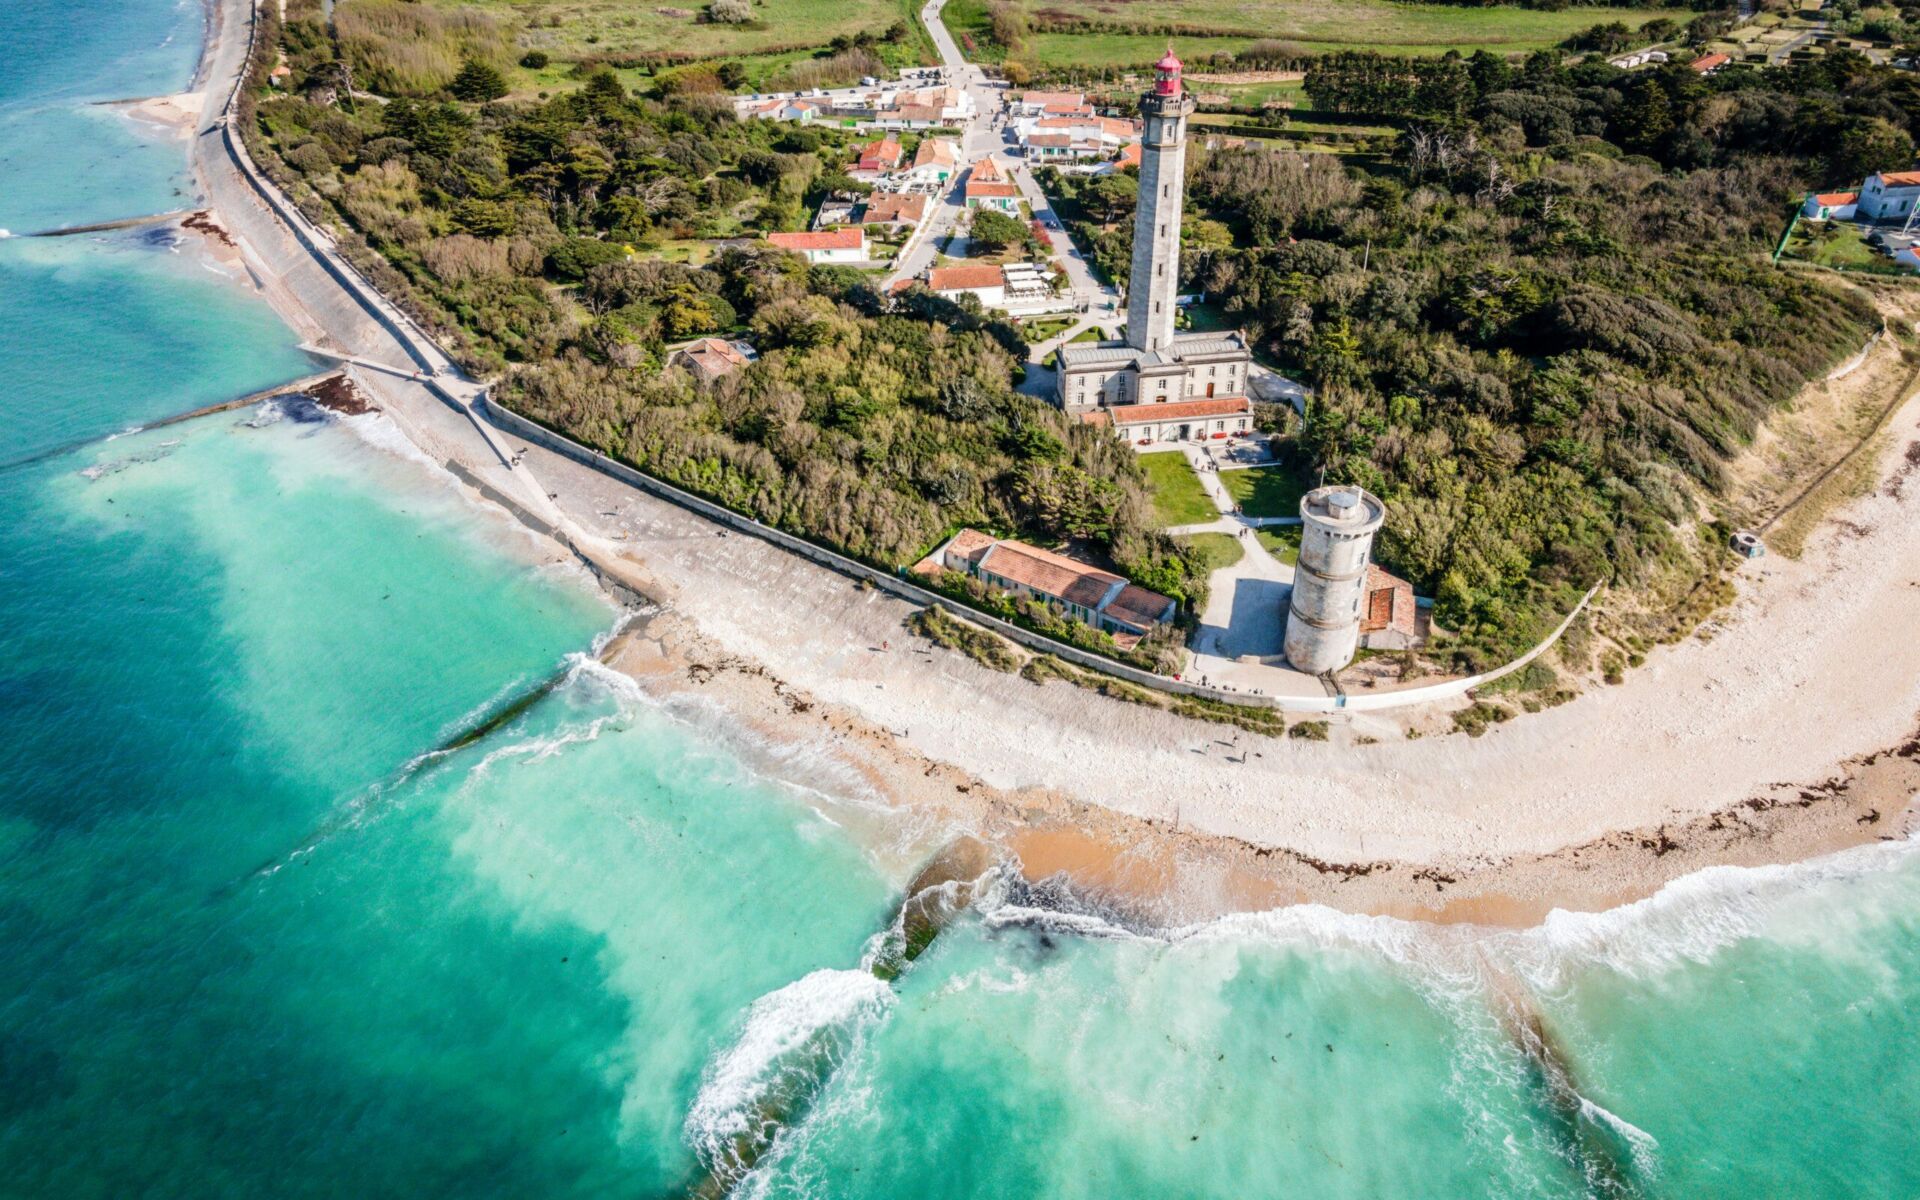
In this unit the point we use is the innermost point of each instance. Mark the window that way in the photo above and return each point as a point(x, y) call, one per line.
point(1156, 308)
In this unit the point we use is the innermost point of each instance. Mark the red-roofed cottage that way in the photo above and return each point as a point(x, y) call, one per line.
point(1830, 206)
point(1098, 598)
point(846, 244)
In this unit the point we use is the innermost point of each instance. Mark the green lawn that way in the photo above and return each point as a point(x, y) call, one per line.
point(1217, 550)
point(1384, 25)
point(1178, 498)
point(1265, 491)
point(594, 28)
point(1834, 244)
point(1281, 541)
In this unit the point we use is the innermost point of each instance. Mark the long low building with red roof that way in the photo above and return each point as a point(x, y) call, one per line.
point(843, 245)
point(1098, 598)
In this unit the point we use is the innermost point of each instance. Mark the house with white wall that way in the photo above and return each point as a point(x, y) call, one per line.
point(986, 283)
point(845, 244)
point(1830, 206)
point(1888, 196)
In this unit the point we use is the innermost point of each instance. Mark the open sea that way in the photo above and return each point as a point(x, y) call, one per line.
point(258, 939)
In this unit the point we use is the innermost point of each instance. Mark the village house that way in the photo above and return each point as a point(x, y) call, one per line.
point(1710, 64)
point(707, 359)
point(895, 210)
point(877, 158)
point(988, 187)
point(847, 244)
point(1039, 104)
point(786, 108)
point(1888, 196)
point(1098, 598)
point(1830, 206)
point(935, 161)
point(986, 283)
point(1076, 139)
point(874, 105)
point(833, 211)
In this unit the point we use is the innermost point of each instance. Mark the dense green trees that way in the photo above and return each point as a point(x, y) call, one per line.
point(1554, 346)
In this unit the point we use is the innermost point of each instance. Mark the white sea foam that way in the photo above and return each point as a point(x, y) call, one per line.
point(1697, 916)
point(1642, 1146)
point(793, 1041)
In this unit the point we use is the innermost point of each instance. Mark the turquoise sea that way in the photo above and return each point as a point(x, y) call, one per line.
point(257, 939)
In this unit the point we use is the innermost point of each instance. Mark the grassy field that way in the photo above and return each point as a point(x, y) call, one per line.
point(1178, 498)
point(1281, 541)
point(1835, 244)
point(577, 29)
point(1217, 550)
point(1382, 25)
point(785, 32)
point(1265, 491)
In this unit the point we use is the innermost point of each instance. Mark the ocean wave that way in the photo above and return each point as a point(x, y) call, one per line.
point(102, 470)
point(793, 1042)
point(1697, 916)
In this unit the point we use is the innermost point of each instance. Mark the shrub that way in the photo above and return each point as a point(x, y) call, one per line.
point(478, 82)
point(534, 60)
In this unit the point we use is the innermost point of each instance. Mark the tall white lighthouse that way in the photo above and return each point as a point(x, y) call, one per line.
point(1158, 385)
point(1154, 280)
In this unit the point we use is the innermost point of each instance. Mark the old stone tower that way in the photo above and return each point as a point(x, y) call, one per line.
point(1154, 280)
point(1330, 582)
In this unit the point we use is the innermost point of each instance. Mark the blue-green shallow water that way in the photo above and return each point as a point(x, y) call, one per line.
point(246, 949)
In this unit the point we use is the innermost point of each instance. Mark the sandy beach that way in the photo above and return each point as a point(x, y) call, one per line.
point(1786, 729)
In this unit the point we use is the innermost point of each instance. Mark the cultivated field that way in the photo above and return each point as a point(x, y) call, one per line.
point(574, 29)
point(1316, 24)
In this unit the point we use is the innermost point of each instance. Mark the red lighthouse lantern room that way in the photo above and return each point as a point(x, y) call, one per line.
point(1166, 75)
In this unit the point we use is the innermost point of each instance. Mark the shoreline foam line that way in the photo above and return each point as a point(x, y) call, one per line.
point(290, 387)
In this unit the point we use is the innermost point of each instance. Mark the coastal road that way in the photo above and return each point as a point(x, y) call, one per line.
point(304, 276)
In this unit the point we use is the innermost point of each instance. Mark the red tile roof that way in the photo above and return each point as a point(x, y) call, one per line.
point(1049, 573)
point(1178, 410)
point(970, 544)
point(987, 171)
point(881, 155)
point(849, 237)
point(894, 206)
point(1137, 606)
point(1900, 178)
point(1835, 199)
point(1390, 603)
point(1708, 62)
point(946, 279)
point(989, 190)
